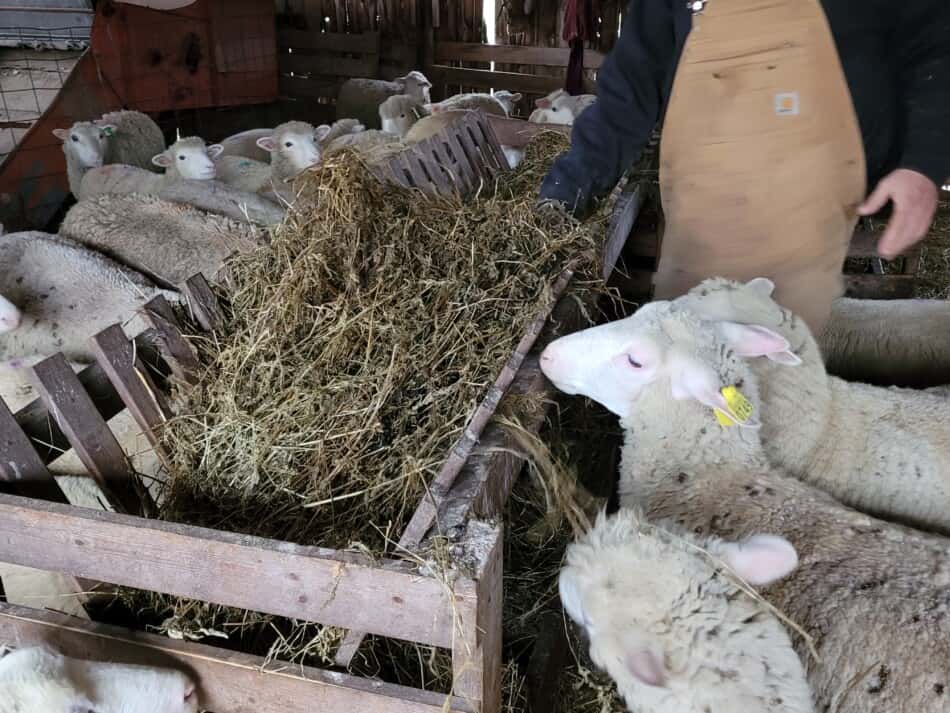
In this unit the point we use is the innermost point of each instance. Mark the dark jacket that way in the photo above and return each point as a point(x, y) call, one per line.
point(896, 59)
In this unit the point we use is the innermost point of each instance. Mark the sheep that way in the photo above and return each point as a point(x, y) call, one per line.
point(487, 103)
point(672, 631)
point(65, 293)
point(429, 126)
point(39, 680)
point(399, 113)
point(293, 147)
point(888, 342)
point(372, 145)
point(559, 107)
point(872, 595)
point(245, 145)
point(882, 451)
point(126, 137)
point(360, 98)
point(188, 159)
point(167, 241)
point(508, 99)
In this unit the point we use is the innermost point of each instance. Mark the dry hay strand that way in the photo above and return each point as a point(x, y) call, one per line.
point(356, 346)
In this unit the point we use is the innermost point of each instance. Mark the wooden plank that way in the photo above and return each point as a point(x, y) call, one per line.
point(476, 649)
point(230, 681)
point(203, 303)
point(623, 216)
point(144, 400)
point(310, 65)
point(89, 434)
point(307, 40)
point(518, 132)
point(546, 665)
point(175, 350)
point(300, 87)
point(310, 583)
point(880, 287)
point(21, 466)
point(486, 79)
point(512, 54)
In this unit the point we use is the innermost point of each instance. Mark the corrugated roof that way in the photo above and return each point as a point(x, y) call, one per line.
point(46, 24)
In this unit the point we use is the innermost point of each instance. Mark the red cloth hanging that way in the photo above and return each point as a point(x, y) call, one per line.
point(580, 19)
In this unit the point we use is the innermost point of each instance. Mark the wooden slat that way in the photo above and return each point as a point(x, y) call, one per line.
point(309, 583)
point(203, 303)
point(485, 79)
point(88, 433)
point(512, 54)
point(21, 466)
point(328, 65)
point(364, 42)
point(231, 682)
point(546, 665)
point(624, 215)
point(144, 400)
point(308, 88)
point(176, 351)
point(880, 287)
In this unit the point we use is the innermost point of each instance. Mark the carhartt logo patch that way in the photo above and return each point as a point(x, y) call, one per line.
point(786, 104)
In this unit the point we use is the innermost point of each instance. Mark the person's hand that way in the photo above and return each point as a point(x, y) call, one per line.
point(915, 202)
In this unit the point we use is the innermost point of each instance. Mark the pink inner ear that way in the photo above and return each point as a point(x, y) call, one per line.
point(753, 340)
point(542, 103)
point(761, 559)
point(646, 667)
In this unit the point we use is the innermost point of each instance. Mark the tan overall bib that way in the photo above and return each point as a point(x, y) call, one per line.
point(761, 159)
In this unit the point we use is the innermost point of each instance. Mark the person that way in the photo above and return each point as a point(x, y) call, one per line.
point(896, 61)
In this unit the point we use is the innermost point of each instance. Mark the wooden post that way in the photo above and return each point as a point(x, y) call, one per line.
point(476, 649)
point(21, 465)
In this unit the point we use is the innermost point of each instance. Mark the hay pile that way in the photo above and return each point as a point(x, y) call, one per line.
point(356, 347)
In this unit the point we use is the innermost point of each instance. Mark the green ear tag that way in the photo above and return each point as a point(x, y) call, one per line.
point(108, 131)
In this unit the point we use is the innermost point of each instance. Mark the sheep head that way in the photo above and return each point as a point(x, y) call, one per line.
point(399, 112)
point(85, 141)
point(416, 85)
point(294, 147)
point(190, 158)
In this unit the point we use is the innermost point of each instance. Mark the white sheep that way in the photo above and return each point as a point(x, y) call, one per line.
point(487, 103)
point(40, 680)
point(883, 451)
point(293, 148)
point(372, 145)
point(559, 107)
point(672, 628)
point(168, 241)
point(873, 596)
point(65, 293)
point(126, 137)
point(360, 98)
point(508, 99)
point(245, 143)
point(399, 113)
point(188, 159)
point(429, 126)
point(888, 342)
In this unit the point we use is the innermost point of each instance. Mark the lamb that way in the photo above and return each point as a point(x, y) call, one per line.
point(399, 113)
point(508, 99)
point(429, 126)
point(672, 630)
point(126, 137)
point(872, 595)
point(188, 159)
point(559, 107)
point(888, 342)
point(65, 293)
point(882, 451)
point(167, 241)
point(360, 98)
point(293, 149)
point(487, 103)
point(245, 143)
point(40, 680)
point(372, 145)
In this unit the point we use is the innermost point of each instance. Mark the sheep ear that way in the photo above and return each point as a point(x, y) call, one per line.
point(162, 159)
point(646, 667)
point(763, 285)
point(516, 97)
point(570, 595)
point(753, 340)
point(267, 143)
point(214, 150)
point(543, 103)
point(691, 380)
point(108, 129)
point(321, 132)
point(61, 134)
point(761, 559)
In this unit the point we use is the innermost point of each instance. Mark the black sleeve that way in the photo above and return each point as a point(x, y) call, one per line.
point(924, 51)
point(631, 91)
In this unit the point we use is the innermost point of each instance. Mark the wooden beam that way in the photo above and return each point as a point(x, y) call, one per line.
point(512, 54)
point(880, 287)
point(485, 79)
point(310, 583)
point(229, 681)
point(89, 434)
point(299, 87)
point(307, 40)
point(328, 65)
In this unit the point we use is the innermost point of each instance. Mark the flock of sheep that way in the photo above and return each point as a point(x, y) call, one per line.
point(745, 464)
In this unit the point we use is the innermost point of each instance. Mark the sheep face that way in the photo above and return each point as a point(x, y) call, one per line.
point(10, 316)
point(190, 158)
point(399, 113)
point(85, 142)
point(665, 625)
point(508, 99)
point(295, 145)
point(552, 115)
point(613, 363)
point(417, 86)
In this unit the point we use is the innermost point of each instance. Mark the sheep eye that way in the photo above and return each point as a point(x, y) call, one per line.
point(101, 135)
point(181, 158)
point(288, 144)
point(553, 108)
point(75, 138)
point(634, 363)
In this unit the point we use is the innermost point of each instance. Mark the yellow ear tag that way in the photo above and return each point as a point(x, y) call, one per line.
point(740, 408)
